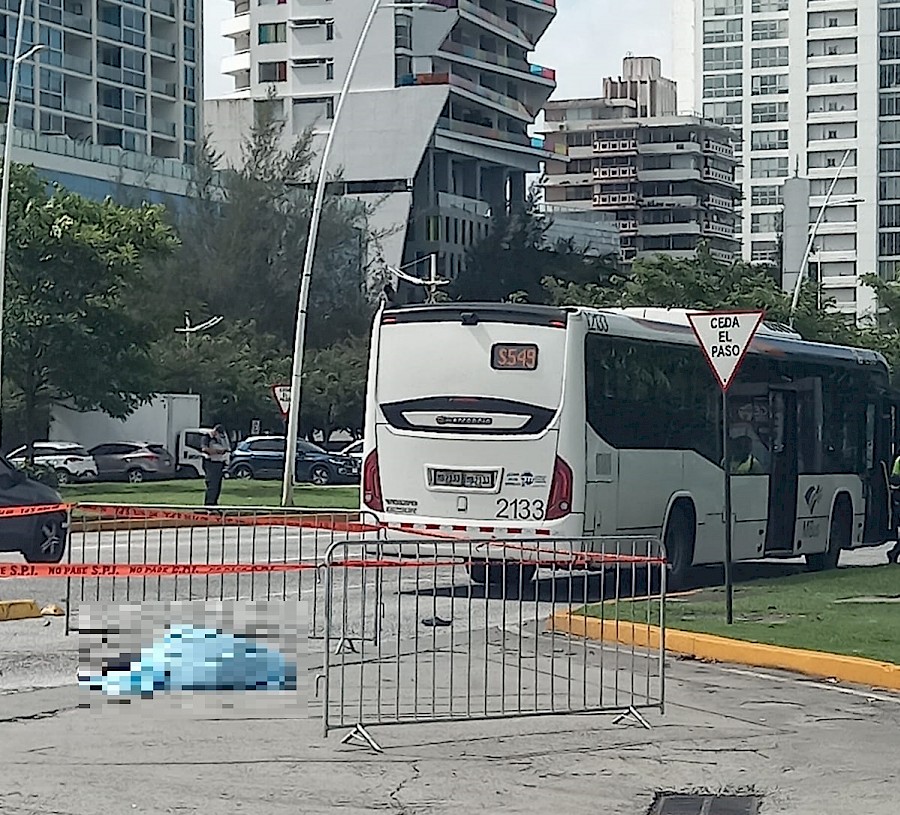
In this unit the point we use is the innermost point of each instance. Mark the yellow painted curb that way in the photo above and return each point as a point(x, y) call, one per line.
point(19, 610)
point(722, 649)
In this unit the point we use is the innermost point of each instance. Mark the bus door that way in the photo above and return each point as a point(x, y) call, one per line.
point(881, 429)
point(795, 412)
point(749, 416)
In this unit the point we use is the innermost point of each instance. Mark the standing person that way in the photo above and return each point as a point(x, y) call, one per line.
point(894, 553)
point(216, 448)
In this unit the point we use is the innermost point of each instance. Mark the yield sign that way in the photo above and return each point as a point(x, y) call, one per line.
point(282, 394)
point(725, 337)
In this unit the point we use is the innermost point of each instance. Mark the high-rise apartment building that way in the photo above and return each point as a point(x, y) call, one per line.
point(117, 74)
point(813, 86)
point(668, 181)
point(435, 131)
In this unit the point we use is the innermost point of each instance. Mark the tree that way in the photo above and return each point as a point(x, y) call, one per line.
point(514, 257)
point(334, 387)
point(232, 369)
point(245, 235)
point(75, 280)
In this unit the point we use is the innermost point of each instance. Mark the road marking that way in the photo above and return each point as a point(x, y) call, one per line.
point(881, 697)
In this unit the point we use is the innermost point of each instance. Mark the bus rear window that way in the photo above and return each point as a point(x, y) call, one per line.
point(514, 357)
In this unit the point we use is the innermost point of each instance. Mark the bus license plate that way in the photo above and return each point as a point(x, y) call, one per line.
point(462, 479)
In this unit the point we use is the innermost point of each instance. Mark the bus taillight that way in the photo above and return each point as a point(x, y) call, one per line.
point(372, 483)
point(560, 502)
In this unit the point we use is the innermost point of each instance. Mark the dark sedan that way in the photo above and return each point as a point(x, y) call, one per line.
point(40, 538)
point(263, 457)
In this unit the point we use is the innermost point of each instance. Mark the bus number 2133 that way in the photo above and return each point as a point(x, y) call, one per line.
point(520, 509)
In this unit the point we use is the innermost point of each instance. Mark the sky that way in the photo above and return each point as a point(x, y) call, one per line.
point(585, 42)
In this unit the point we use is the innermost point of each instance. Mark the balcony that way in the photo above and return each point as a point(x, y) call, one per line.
point(79, 22)
point(718, 148)
point(76, 106)
point(118, 116)
point(614, 199)
point(236, 63)
point(163, 127)
point(615, 146)
point(113, 72)
point(627, 227)
point(164, 7)
point(493, 23)
point(491, 58)
point(79, 65)
point(234, 26)
point(614, 173)
point(506, 102)
point(111, 32)
point(718, 202)
point(718, 230)
point(161, 46)
point(163, 88)
point(473, 206)
point(714, 174)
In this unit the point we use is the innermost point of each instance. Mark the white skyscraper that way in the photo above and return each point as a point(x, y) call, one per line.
point(807, 83)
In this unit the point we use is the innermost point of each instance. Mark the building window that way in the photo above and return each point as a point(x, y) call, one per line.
point(723, 59)
point(768, 84)
point(769, 167)
point(774, 57)
point(768, 6)
point(190, 123)
point(723, 31)
point(51, 123)
point(189, 44)
point(133, 68)
point(769, 29)
point(51, 91)
point(719, 85)
point(190, 83)
point(25, 88)
point(403, 32)
point(725, 113)
point(769, 140)
point(768, 112)
point(190, 16)
point(765, 222)
point(765, 196)
point(53, 39)
point(889, 19)
point(889, 76)
point(722, 8)
point(273, 71)
point(272, 32)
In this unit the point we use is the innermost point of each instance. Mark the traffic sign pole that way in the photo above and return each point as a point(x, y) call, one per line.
point(724, 337)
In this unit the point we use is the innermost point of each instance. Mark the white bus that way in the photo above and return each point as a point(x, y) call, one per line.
point(578, 422)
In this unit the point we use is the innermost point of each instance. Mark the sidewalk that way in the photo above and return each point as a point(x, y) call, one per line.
point(807, 747)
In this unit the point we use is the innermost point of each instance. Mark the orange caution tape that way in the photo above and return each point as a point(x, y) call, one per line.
point(37, 509)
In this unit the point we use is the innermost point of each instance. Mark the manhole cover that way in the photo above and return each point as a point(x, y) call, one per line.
point(675, 804)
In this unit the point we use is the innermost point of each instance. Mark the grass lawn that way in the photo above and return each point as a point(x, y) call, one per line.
point(802, 611)
point(189, 492)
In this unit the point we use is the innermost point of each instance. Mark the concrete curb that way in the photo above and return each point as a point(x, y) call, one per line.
point(19, 610)
point(722, 649)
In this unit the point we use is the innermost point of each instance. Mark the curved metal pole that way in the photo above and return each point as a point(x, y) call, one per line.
point(293, 428)
point(798, 284)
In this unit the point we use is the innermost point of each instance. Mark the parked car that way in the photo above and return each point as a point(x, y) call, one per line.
point(40, 538)
point(134, 461)
point(70, 460)
point(263, 457)
point(354, 450)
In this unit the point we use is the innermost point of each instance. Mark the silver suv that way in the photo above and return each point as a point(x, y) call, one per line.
point(133, 461)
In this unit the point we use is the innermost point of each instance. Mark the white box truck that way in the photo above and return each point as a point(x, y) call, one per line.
point(170, 419)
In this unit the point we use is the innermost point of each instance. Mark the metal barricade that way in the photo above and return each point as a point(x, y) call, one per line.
point(511, 642)
point(157, 534)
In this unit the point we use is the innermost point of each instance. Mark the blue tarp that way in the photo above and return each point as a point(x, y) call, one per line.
point(189, 658)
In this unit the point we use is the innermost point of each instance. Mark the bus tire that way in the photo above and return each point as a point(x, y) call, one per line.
point(513, 575)
point(679, 537)
point(840, 530)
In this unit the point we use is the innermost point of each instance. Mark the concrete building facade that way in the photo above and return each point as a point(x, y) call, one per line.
point(125, 75)
point(435, 131)
point(668, 181)
point(806, 83)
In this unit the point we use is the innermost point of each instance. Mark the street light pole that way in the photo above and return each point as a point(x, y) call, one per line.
point(798, 284)
point(18, 59)
point(293, 428)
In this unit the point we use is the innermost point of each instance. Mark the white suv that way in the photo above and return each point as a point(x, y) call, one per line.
point(70, 460)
